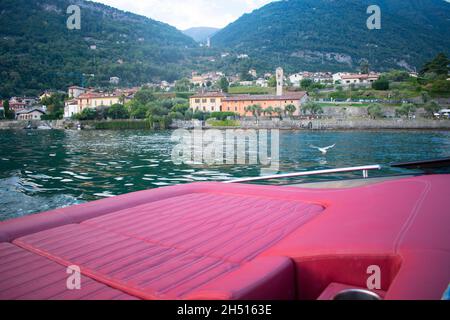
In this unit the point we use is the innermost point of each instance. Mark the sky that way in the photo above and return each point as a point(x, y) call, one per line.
point(185, 14)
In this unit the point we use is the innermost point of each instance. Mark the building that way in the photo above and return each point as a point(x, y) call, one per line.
point(207, 102)
point(197, 79)
point(45, 94)
point(202, 79)
point(253, 73)
point(296, 79)
point(114, 80)
point(356, 78)
point(279, 74)
point(262, 83)
point(219, 101)
point(71, 108)
point(30, 114)
point(239, 103)
point(93, 100)
point(75, 91)
point(317, 77)
point(21, 103)
point(337, 77)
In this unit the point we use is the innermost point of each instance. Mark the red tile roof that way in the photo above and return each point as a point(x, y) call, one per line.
point(287, 96)
point(210, 95)
point(359, 76)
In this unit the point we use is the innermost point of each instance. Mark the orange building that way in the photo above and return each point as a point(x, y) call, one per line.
point(239, 103)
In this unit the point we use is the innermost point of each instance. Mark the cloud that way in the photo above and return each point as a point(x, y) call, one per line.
point(185, 14)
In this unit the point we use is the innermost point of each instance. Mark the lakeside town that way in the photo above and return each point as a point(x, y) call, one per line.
point(222, 99)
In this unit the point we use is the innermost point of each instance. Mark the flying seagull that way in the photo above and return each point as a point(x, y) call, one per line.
point(323, 150)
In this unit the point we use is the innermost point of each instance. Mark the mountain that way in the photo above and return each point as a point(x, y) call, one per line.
point(200, 34)
point(333, 34)
point(38, 51)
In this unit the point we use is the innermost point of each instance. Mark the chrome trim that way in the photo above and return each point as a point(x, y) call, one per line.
point(356, 294)
point(364, 169)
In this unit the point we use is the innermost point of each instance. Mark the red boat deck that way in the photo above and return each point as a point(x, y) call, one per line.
point(218, 241)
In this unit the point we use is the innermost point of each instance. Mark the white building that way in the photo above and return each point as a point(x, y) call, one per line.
point(337, 77)
point(30, 114)
point(253, 73)
point(262, 83)
point(296, 78)
point(71, 108)
point(359, 79)
point(114, 80)
point(347, 79)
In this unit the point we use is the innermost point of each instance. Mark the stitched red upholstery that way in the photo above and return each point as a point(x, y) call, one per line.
point(216, 241)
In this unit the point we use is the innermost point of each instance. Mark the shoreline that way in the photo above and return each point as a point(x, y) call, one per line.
point(284, 125)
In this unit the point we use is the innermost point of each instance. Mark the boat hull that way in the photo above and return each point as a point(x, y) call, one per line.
point(237, 242)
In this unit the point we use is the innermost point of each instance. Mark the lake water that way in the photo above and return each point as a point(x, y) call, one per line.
point(43, 170)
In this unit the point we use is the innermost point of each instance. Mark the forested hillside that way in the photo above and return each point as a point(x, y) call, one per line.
point(37, 51)
point(332, 34)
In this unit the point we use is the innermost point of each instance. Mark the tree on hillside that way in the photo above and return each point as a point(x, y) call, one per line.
point(381, 84)
point(279, 112)
point(407, 109)
point(137, 110)
point(55, 105)
point(86, 114)
point(306, 83)
point(425, 97)
point(312, 108)
point(272, 82)
point(290, 109)
point(118, 111)
point(223, 84)
point(268, 111)
point(8, 113)
point(439, 66)
point(364, 66)
point(183, 85)
point(431, 108)
point(255, 109)
point(375, 111)
point(144, 96)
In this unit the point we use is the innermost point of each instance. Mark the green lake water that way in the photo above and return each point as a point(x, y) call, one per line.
point(43, 170)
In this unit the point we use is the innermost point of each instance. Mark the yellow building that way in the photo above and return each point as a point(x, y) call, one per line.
point(207, 102)
point(93, 100)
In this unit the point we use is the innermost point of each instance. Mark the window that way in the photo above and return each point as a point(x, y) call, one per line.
point(197, 100)
point(213, 100)
point(204, 100)
point(212, 108)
